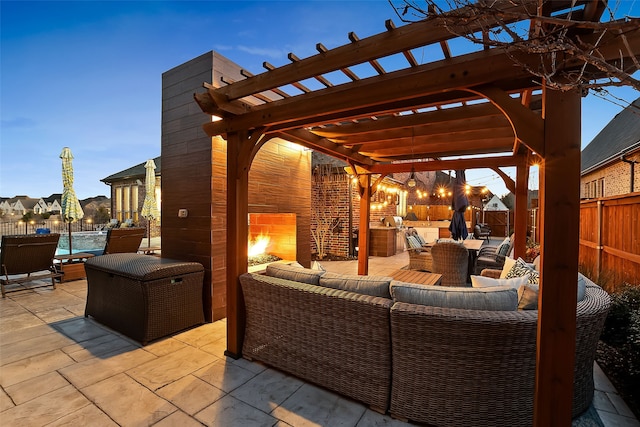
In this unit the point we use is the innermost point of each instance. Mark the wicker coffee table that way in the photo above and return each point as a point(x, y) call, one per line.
point(421, 277)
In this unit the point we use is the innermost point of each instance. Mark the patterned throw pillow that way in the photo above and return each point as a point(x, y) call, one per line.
point(504, 249)
point(420, 239)
point(520, 268)
point(413, 242)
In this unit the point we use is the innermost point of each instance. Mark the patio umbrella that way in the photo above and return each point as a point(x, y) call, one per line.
point(458, 226)
point(150, 207)
point(71, 209)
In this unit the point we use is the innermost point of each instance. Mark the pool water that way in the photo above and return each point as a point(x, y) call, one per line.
point(82, 241)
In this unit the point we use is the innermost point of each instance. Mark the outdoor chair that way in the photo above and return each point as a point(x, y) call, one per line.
point(419, 255)
point(481, 231)
point(492, 257)
point(123, 240)
point(452, 261)
point(25, 255)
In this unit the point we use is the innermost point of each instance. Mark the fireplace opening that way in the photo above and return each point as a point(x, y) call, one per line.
point(272, 237)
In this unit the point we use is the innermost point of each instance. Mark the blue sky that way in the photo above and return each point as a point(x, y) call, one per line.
point(87, 75)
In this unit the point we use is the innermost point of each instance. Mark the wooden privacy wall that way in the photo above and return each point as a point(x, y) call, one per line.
point(610, 240)
point(436, 213)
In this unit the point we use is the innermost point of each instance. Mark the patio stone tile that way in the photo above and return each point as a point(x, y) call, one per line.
point(313, 406)
point(89, 415)
point(281, 423)
point(191, 394)
point(43, 299)
point(80, 329)
point(600, 380)
point(224, 375)
point(45, 409)
point(617, 420)
point(34, 387)
point(165, 369)
point(41, 330)
point(5, 401)
point(267, 390)
point(216, 347)
point(255, 367)
point(127, 402)
point(98, 346)
point(34, 366)
point(97, 369)
point(19, 321)
point(375, 419)
point(165, 346)
point(178, 419)
point(77, 309)
point(32, 347)
point(620, 405)
point(9, 307)
point(56, 315)
point(203, 335)
point(230, 411)
point(601, 401)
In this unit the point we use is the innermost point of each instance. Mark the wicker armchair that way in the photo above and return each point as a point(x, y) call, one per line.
point(24, 255)
point(482, 231)
point(452, 261)
point(419, 257)
point(492, 257)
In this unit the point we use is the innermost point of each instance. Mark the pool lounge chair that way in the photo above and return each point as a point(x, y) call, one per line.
point(123, 240)
point(24, 256)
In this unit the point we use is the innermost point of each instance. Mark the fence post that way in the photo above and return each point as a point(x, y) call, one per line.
point(599, 247)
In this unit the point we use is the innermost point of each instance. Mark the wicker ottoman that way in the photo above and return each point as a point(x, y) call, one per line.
point(142, 296)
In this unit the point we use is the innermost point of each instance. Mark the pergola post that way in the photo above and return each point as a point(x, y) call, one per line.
point(363, 236)
point(559, 231)
point(522, 198)
point(237, 234)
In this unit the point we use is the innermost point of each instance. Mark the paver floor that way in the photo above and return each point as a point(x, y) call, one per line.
point(59, 368)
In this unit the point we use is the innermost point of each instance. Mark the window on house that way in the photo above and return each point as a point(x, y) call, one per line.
point(119, 204)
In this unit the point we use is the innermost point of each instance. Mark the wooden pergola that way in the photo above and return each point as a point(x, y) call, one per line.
point(476, 110)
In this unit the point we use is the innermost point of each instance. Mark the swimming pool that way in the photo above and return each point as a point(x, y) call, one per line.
point(82, 241)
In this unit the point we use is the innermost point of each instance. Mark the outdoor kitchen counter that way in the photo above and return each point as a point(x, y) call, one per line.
point(432, 230)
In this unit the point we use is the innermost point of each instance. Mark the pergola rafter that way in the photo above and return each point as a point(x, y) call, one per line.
point(432, 116)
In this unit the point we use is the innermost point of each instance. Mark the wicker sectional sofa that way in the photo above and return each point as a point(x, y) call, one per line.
point(434, 365)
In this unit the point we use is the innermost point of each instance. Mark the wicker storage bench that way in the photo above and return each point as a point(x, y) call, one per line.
point(142, 296)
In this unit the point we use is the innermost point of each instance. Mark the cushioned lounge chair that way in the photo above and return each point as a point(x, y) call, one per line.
point(419, 254)
point(28, 258)
point(123, 240)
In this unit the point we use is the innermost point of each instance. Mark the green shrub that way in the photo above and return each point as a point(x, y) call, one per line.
point(622, 327)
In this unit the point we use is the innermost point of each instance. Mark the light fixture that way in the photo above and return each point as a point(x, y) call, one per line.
point(412, 179)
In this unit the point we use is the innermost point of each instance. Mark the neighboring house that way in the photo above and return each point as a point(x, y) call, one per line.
point(20, 205)
point(495, 204)
point(53, 203)
point(609, 162)
point(128, 191)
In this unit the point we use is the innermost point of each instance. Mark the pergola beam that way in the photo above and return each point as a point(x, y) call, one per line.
point(439, 165)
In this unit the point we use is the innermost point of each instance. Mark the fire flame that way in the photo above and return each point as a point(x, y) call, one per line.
point(259, 245)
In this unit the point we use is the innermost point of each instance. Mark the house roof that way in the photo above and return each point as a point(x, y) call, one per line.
point(137, 171)
point(619, 137)
point(495, 204)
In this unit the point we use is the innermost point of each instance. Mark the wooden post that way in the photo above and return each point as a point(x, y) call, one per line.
point(363, 236)
point(237, 235)
point(522, 197)
point(559, 224)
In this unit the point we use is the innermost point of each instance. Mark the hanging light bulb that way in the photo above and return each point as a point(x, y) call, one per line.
point(412, 179)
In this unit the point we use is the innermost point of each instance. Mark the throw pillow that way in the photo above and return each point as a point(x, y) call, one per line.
point(420, 239)
point(520, 268)
point(377, 286)
point(413, 242)
point(297, 274)
point(503, 249)
point(487, 282)
point(508, 264)
point(528, 297)
point(499, 298)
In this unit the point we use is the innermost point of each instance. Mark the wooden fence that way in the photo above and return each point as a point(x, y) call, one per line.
point(610, 239)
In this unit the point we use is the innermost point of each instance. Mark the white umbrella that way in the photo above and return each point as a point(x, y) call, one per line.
point(71, 209)
point(150, 207)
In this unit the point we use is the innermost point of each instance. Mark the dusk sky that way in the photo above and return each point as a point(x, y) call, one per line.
point(87, 75)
